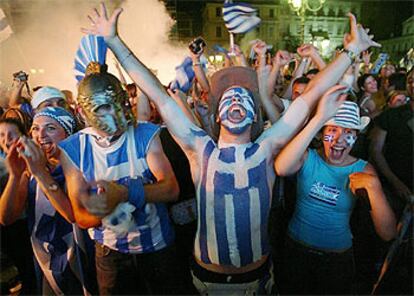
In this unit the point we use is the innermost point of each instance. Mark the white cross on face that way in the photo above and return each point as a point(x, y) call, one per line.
point(236, 109)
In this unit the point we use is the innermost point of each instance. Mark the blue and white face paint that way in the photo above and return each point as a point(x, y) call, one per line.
point(236, 110)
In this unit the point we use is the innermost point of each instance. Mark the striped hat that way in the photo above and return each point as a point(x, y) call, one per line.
point(62, 116)
point(348, 116)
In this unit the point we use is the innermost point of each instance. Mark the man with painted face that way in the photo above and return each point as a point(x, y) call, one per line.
point(118, 179)
point(233, 177)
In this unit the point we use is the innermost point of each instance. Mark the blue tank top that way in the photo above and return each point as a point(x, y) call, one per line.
point(324, 204)
point(126, 158)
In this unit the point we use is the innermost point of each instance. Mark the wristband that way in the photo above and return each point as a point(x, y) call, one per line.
point(136, 192)
point(350, 54)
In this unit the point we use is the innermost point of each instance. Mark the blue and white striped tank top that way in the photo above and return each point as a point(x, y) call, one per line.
point(234, 198)
point(126, 158)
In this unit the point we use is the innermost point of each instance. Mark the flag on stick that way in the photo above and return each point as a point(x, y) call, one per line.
point(239, 18)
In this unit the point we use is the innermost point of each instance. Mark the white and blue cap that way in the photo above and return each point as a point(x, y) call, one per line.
point(348, 116)
point(46, 93)
point(63, 117)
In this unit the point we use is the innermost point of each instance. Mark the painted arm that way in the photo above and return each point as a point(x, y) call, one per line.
point(381, 212)
point(378, 137)
point(166, 188)
point(177, 123)
point(181, 99)
point(143, 107)
point(291, 158)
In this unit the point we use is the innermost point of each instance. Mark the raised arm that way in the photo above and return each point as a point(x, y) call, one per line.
point(310, 51)
point(292, 157)
point(358, 40)
point(14, 196)
point(177, 123)
point(36, 164)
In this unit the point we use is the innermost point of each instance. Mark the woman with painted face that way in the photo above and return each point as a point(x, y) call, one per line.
point(319, 256)
point(57, 244)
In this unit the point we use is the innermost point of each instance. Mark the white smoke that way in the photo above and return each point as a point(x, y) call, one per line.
point(47, 34)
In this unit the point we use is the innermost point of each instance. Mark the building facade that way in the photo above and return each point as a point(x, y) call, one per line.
point(398, 47)
point(282, 27)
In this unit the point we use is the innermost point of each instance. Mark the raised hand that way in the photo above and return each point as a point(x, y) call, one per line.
point(102, 25)
point(32, 155)
point(330, 102)
point(358, 39)
point(260, 48)
point(282, 58)
point(14, 163)
point(307, 50)
point(363, 180)
point(366, 57)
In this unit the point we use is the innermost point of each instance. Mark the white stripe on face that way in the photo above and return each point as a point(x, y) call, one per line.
point(234, 97)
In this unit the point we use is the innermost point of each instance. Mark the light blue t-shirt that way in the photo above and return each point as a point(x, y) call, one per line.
point(324, 204)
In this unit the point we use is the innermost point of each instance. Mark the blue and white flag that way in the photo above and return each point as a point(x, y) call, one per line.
point(92, 48)
point(381, 60)
point(239, 17)
point(185, 74)
point(5, 30)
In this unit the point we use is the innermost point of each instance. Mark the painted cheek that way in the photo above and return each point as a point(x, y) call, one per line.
point(350, 140)
point(328, 138)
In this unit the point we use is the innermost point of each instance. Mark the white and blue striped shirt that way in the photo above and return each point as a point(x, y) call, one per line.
point(126, 158)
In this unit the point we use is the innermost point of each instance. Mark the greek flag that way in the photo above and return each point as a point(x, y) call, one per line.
point(239, 17)
point(185, 74)
point(5, 30)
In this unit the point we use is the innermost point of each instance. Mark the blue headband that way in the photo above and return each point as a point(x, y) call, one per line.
point(63, 117)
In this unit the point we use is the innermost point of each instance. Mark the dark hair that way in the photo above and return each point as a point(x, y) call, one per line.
point(362, 78)
point(312, 71)
point(15, 122)
point(131, 90)
point(397, 80)
point(22, 117)
point(301, 80)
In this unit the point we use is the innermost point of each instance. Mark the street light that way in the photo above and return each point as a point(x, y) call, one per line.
point(300, 7)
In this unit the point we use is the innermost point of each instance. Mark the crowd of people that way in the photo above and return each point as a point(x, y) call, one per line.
point(255, 181)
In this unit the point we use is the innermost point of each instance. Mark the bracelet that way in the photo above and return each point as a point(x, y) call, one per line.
point(350, 54)
point(196, 64)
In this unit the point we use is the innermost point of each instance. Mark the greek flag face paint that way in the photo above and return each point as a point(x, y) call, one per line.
point(236, 110)
point(350, 140)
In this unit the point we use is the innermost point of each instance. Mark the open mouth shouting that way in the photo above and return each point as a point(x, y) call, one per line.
point(47, 146)
point(236, 113)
